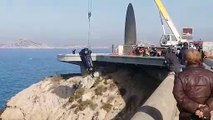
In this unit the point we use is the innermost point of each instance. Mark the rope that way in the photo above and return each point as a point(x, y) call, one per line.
point(89, 16)
point(161, 20)
point(89, 29)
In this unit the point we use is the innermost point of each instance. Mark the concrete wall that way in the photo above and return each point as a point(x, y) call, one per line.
point(161, 105)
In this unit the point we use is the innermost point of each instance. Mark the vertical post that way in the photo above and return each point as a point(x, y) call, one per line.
point(113, 48)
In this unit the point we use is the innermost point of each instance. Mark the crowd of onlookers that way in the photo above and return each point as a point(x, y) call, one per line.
point(161, 51)
point(193, 84)
point(174, 55)
point(146, 51)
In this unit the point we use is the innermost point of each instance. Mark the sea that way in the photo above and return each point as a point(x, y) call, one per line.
point(20, 68)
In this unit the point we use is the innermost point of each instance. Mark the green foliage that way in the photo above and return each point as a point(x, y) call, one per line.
point(76, 110)
point(100, 89)
point(74, 106)
point(107, 107)
point(93, 106)
point(72, 98)
point(64, 105)
point(78, 93)
point(85, 104)
point(93, 97)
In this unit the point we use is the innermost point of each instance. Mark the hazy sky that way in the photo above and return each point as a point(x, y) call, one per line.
point(62, 22)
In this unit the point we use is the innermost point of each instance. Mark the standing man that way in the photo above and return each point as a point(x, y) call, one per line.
point(181, 54)
point(193, 89)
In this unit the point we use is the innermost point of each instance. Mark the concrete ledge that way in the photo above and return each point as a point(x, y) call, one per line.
point(161, 105)
point(209, 63)
point(124, 59)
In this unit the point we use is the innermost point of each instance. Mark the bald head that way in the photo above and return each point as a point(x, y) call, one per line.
point(193, 57)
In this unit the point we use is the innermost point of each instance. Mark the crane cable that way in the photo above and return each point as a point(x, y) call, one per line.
point(89, 16)
point(162, 25)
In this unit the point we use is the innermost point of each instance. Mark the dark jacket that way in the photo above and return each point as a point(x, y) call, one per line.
point(192, 87)
point(173, 62)
point(181, 55)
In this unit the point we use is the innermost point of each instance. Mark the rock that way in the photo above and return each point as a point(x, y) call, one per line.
point(96, 74)
point(17, 114)
point(101, 114)
point(37, 101)
point(87, 82)
point(78, 98)
point(86, 115)
point(87, 96)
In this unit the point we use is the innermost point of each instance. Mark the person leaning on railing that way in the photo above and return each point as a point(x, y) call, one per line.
point(171, 60)
point(193, 89)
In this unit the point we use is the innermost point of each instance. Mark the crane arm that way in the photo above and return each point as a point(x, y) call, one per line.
point(168, 20)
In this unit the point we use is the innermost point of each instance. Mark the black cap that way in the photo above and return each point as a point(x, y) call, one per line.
point(185, 44)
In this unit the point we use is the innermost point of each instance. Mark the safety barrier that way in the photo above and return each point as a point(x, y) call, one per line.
point(161, 105)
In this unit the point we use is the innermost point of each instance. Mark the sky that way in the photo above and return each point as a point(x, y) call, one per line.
point(65, 22)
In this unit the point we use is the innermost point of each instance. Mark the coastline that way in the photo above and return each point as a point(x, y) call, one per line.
point(105, 96)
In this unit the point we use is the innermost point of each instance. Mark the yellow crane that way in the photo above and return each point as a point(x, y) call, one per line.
point(173, 39)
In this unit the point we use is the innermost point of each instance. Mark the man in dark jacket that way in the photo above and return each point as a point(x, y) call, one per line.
point(193, 89)
point(172, 60)
point(182, 52)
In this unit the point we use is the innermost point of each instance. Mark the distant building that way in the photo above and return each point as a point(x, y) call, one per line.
point(187, 33)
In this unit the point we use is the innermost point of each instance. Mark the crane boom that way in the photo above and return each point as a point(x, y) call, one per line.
point(168, 20)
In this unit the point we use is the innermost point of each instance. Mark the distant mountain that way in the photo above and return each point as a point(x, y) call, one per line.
point(23, 43)
point(74, 46)
point(83, 46)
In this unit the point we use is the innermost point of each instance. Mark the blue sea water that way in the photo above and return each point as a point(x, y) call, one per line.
point(20, 68)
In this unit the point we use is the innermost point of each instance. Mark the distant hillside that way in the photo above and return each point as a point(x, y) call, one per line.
point(23, 43)
point(84, 46)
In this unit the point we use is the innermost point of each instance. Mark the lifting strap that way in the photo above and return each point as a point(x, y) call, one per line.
point(89, 16)
point(161, 20)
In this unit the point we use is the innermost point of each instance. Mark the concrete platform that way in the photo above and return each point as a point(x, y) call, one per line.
point(208, 62)
point(124, 59)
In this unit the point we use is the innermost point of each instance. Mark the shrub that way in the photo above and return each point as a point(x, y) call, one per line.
point(100, 89)
point(72, 98)
point(84, 104)
point(74, 105)
point(78, 93)
point(93, 106)
point(107, 107)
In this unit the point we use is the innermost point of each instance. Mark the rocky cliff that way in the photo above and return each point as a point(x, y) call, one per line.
point(115, 95)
